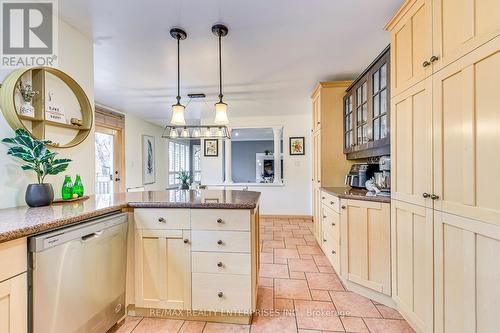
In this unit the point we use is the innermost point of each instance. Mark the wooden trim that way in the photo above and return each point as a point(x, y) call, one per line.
point(330, 84)
point(399, 14)
point(298, 217)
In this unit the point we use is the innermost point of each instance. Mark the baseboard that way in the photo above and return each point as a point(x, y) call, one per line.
point(298, 217)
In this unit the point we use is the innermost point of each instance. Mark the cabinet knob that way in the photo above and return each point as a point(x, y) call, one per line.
point(426, 64)
point(219, 221)
point(343, 207)
point(162, 220)
point(426, 195)
point(331, 202)
point(318, 180)
point(220, 294)
point(318, 123)
point(333, 252)
point(186, 241)
point(434, 196)
point(219, 264)
point(220, 242)
point(322, 198)
point(434, 58)
point(324, 240)
point(324, 216)
point(333, 224)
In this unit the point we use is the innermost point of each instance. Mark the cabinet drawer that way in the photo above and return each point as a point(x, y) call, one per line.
point(331, 222)
point(332, 251)
point(221, 241)
point(221, 292)
point(223, 263)
point(13, 258)
point(220, 219)
point(151, 218)
point(330, 201)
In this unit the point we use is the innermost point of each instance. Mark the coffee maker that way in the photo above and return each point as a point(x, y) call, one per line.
point(383, 177)
point(359, 174)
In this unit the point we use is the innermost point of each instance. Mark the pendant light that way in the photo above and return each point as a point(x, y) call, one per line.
point(178, 108)
point(220, 31)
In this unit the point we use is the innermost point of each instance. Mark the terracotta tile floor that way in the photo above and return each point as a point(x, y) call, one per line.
point(298, 283)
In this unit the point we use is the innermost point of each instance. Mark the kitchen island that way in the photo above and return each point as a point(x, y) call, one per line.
point(191, 254)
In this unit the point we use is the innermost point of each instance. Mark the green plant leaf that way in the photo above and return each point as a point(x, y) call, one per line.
point(28, 167)
point(9, 140)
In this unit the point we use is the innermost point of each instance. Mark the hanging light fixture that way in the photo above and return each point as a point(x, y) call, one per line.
point(178, 108)
point(220, 31)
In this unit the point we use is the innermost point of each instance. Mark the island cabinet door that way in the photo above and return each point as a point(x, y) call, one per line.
point(163, 269)
point(467, 272)
point(412, 263)
point(367, 246)
point(13, 305)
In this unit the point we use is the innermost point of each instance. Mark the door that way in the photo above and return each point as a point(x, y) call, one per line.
point(366, 230)
point(411, 144)
point(411, 47)
point(460, 26)
point(467, 295)
point(163, 269)
point(110, 160)
point(467, 140)
point(14, 304)
point(412, 263)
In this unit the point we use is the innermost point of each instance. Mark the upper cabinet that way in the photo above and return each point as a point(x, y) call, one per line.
point(366, 111)
point(427, 35)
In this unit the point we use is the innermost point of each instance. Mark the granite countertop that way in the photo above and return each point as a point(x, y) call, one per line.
point(24, 221)
point(355, 194)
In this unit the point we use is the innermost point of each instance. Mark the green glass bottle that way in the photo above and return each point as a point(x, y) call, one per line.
point(67, 188)
point(78, 186)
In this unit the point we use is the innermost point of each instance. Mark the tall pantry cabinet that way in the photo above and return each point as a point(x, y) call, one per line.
point(329, 162)
point(445, 218)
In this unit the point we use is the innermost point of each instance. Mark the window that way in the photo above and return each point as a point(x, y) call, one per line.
point(178, 160)
point(196, 172)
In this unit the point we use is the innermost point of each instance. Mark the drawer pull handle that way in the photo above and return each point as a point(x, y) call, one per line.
point(434, 197)
point(324, 216)
point(426, 195)
point(219, 221)
point(343, 207)
point(323, 198)
point(333, 224)
point(186, 241)
point(433, 58)
point(324, 240)
point(333, 252)
point(220, 242)
point(220, 294)
point(162, 220)
point(219, 264)
point(426, 64)
point(331, 202)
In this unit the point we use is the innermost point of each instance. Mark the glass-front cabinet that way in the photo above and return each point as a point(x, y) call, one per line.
point(366, 111)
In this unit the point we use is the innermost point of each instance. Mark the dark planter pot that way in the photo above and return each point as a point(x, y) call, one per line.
point(184, 186)
point(38, 195)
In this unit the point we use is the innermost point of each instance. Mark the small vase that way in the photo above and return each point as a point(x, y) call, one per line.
point(27, 109)
point(38, 195)
point(184, 186)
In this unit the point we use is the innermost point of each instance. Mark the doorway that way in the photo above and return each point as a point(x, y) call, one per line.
point(109, 156)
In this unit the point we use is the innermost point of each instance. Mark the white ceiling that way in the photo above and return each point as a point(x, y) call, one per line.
point(275, 53)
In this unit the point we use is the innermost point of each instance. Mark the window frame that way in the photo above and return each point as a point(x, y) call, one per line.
point(175, 163)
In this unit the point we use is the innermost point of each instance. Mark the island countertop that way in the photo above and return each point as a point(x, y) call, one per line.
point(24, 221)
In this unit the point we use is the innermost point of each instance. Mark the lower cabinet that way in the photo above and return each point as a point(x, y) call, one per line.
point(163, 269)
point(317, 213)
point(330, 241)
point(467, 275)
point(222, 292)
point(365, 247)
point(13, 305)
point(412, 263)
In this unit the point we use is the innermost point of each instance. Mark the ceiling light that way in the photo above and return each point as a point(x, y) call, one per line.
point(220, 31)
point(173, 133)
point(185, 133)
point(178, 108)
point(197, 132)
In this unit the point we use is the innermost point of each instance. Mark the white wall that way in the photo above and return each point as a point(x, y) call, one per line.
point(76, 59)
point(134, 129)
point(294, 197)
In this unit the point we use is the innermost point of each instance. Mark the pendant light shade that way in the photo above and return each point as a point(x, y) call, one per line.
point(221, 118)
point(178, 108)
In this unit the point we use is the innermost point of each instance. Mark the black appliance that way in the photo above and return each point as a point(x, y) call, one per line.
point(359, 174)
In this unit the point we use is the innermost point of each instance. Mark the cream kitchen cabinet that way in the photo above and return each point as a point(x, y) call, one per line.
point(467, 295)
point(466, 136)
point(14, 305)
point(163, 269)
point(460, 26)
point(412, 263)
point(365, 244)
point(411, 145)
point(330, 240)
point(411, 44)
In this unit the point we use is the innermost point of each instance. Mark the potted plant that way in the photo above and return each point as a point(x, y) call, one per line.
point(37, 158)
point(184, 177)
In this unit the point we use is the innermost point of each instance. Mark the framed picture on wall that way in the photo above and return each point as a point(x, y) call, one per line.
point(211, 147)
point(297, 146)
point(148, 160)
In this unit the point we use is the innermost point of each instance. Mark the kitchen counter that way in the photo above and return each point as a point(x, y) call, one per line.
point(355, 194)
point(24, 221)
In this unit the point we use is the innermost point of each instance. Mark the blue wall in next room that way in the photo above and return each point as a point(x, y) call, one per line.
point(243, 158)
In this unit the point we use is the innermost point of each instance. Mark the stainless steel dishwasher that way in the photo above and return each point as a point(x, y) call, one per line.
point(77, 276)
